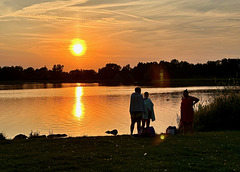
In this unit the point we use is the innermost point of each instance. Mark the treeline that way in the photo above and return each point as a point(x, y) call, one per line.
point(142, 73)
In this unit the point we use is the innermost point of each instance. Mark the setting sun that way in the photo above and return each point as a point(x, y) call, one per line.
point(78, 47)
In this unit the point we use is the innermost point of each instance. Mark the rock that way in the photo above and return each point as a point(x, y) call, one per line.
point(114, 132)
point(38, 137)
point(20, 136)
point(51, 136)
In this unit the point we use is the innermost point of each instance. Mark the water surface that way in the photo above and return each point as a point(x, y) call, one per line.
point(83, 109)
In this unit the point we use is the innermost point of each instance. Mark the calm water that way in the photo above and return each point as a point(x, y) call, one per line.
point(82, 109)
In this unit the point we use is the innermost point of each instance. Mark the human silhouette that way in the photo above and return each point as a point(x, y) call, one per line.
point(187, 112)
point(149, 112)
point(136, 109)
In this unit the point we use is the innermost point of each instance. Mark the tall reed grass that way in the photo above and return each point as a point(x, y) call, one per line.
point(223, 113)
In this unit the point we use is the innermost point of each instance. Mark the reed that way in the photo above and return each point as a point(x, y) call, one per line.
point(221, 114)
point(34, 134)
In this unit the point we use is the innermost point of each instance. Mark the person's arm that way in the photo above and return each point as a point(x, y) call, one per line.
point(130, 107)
point(143, 105)
point(195, 100)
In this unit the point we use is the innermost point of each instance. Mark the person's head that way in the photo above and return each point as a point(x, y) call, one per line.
point(185, 93)
point(146, 95)
point(138, 90)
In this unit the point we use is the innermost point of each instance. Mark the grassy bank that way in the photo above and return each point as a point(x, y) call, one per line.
point(209, 151)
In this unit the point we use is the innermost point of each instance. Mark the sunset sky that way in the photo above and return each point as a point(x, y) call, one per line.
point(39, 32)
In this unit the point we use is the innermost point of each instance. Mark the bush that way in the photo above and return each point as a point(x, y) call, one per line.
point(221, 114)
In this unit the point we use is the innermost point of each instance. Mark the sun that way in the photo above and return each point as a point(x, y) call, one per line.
point(78, 47)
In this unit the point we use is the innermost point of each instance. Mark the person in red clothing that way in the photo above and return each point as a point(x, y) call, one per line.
point(187, 112)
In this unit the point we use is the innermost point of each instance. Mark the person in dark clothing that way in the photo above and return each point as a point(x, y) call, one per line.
point(136, 109)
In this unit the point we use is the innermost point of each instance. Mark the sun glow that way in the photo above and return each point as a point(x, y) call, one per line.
point(78, 47)
point(79, 108)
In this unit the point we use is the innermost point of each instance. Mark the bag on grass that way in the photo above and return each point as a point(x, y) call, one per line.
point(150, 132)
point(171, 130)
point(147, 132)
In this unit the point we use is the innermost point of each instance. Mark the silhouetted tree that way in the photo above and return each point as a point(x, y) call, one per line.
point(142, 73)
point(42, 73)
point(29, 73)
point(79, 75)
point(57, 72)
point(109, 71)
point(11, 73)
point(126, 74)
point(57, 68)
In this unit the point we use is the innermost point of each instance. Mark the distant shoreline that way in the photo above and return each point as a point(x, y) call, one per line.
point(156, 83)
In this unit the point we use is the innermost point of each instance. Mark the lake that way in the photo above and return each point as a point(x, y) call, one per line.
point(78, 109)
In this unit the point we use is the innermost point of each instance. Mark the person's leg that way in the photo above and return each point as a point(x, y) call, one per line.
point(132, 125)
point(148, 123)
point(143, 123)
point(187, 128)
point(184, 128)
point(138, 125)
point(191, 128)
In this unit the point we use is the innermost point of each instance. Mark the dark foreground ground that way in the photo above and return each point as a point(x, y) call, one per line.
point(209, 151)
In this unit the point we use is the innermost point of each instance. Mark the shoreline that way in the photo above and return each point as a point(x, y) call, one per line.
point(158, 83)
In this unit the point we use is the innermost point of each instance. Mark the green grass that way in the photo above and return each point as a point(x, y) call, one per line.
point(209, 151)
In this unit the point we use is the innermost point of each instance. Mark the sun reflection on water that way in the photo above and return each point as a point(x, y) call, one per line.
point(78, 107)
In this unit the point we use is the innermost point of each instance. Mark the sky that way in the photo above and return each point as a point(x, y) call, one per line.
point(37, 33)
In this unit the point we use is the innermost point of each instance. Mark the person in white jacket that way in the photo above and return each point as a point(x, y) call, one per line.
point(149, 111)
point(136, 109)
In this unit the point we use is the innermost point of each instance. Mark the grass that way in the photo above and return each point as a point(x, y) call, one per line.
point(221, 114)
point(208, 151)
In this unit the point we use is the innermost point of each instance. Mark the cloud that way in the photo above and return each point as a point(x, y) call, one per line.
point(140, 27)
point(39, 10)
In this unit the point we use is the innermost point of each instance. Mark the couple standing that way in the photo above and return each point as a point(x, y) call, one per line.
point(141, 109)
